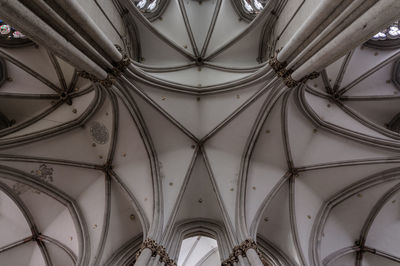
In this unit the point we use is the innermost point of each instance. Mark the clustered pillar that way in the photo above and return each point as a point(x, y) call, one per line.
point(246, 251)
point(153, 254)
point(303, 56)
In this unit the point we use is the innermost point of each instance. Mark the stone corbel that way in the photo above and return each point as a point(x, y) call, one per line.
point(285, 74)
point(108, 82)
point(120, 66)
point(248, 244)
point(156, 249)
point(148, 243)
point(241, 251)
point(276, 65)
point(115, 72)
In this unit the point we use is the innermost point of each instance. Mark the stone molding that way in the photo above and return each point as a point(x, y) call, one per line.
point(156, 249)
point(115, 72)
point(285, 74)
point(241, 251)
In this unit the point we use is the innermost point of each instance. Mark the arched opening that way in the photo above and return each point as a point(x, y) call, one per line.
point(199, 250)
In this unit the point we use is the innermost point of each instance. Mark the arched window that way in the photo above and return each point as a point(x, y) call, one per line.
point(199, 251)
point(10, 37)
point(390, 33)
point(147, 5)
point(253, 6)
point(152, 9)
point(388, 38)
point(248, 9)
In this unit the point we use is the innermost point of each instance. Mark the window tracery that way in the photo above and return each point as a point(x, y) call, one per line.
point(253, 6)
point(388, 38)
point(151, 9)
point(147, 5)
point(390, 33)
point(11, 37)
point(248, 9)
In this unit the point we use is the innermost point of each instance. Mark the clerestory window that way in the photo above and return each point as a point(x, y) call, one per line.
point(11, 37)
point(199, 251)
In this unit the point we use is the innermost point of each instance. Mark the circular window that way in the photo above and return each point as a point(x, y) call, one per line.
point(388, 38)
point(10, 37)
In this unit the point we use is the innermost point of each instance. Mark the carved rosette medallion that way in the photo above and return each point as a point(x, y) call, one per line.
point(99, 133)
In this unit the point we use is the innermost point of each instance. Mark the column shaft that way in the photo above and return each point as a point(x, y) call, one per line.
point(144, 257)
point(342, 21)
point(241, 261)
point(65, 29)
point(156, 260)
point(320, 14)
point(79, 15)
point(374, 19)
point(23, 19)
point(253, 257)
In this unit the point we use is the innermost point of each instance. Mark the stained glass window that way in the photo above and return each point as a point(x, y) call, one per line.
point(8, 32)
point(253, 6)
point(390, 33)
point(11, 37)
point(147, 5)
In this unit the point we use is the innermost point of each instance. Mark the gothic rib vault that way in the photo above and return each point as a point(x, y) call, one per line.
point(129, 126)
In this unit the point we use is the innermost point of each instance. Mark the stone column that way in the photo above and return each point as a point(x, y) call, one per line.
point(335, 27)
point(374, 19)
point(67, 31)
point(241, 260)
point(144, 257)
point(156, 260)
point(317, 17)
point(36, 29)
point(253, 257)
point(79, 15)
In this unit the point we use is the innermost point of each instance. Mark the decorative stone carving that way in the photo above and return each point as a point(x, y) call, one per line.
point(290, 82)
point(312, 75)
point(248, 244)
point(44, 173)
point(108, 82)
point(119, 67)
point(285, 74)
point(276, 65)
point(241, 251)
point(99, 133)
point(156, 249)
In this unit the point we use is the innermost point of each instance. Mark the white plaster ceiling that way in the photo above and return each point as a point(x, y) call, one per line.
point(178, 137)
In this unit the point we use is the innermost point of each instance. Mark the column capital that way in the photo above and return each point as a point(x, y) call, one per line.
point(156, 249)
point(285, 74)
point(112, 75)
point(241, 250)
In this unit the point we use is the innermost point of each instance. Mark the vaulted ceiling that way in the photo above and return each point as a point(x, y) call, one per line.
point(199, 138)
